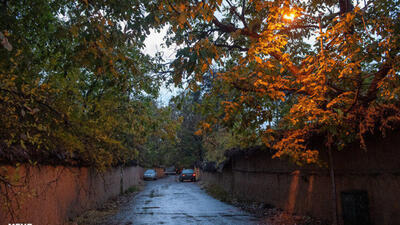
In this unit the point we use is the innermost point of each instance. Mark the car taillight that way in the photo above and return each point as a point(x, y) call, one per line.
point(194, 174)
point(183, 175)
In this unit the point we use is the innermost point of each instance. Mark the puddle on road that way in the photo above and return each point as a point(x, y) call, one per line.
point(205, 216)
point(233, 215)
point(187, 215)
point(144, 213)
point(151, 207)
point(153, 194)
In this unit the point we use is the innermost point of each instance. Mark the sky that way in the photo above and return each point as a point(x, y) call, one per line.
point(154, 43)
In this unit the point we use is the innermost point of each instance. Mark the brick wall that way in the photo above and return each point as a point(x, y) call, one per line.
point(374, 174)
point(160, 172)
point(52, 195)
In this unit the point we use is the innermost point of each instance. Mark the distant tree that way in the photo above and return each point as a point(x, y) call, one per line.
point(160, 148)
point(189, 149)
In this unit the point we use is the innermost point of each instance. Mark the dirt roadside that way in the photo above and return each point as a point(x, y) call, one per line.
point(268, 214)
point(103, 214)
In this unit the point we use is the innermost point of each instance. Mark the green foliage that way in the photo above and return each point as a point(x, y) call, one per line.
point(217, 142)
point(177, 145)
point(132, 189)
point(75, 88)
point(159, 149)
point(190, 149)
point(219, 193)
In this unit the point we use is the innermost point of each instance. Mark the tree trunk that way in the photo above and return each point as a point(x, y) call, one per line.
point(345, 6)
point(333, 186)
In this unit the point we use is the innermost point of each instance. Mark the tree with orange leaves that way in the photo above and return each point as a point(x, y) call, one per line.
point(288, 70)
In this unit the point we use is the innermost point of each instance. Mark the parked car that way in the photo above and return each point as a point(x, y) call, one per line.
point(170, 171)
point(187, 174)
point(150, 175)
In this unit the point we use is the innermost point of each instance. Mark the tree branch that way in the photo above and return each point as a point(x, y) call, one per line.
point(277, 55)
point(241, 17)
point(373, 88)
point(256, 90)
point(230, 47)
point(62, 115)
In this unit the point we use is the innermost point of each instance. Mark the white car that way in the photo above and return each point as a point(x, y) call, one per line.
point(150, 175)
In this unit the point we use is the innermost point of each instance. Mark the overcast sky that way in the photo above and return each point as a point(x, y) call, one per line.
point(154, 43)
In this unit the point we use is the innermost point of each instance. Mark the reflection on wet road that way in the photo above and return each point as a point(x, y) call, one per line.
point(166, 201)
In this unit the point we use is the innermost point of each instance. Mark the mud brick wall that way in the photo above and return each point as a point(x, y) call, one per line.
point(369, 179)
point(52, 195)
point(160, 172)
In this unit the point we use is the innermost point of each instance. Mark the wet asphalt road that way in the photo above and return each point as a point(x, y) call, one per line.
point(167, 201)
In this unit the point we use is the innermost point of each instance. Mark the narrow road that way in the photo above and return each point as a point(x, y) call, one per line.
point(167, 201)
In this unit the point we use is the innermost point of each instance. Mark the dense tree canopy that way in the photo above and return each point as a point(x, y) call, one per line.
point(291, 69)
point(74, 85)
point(77, 89)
